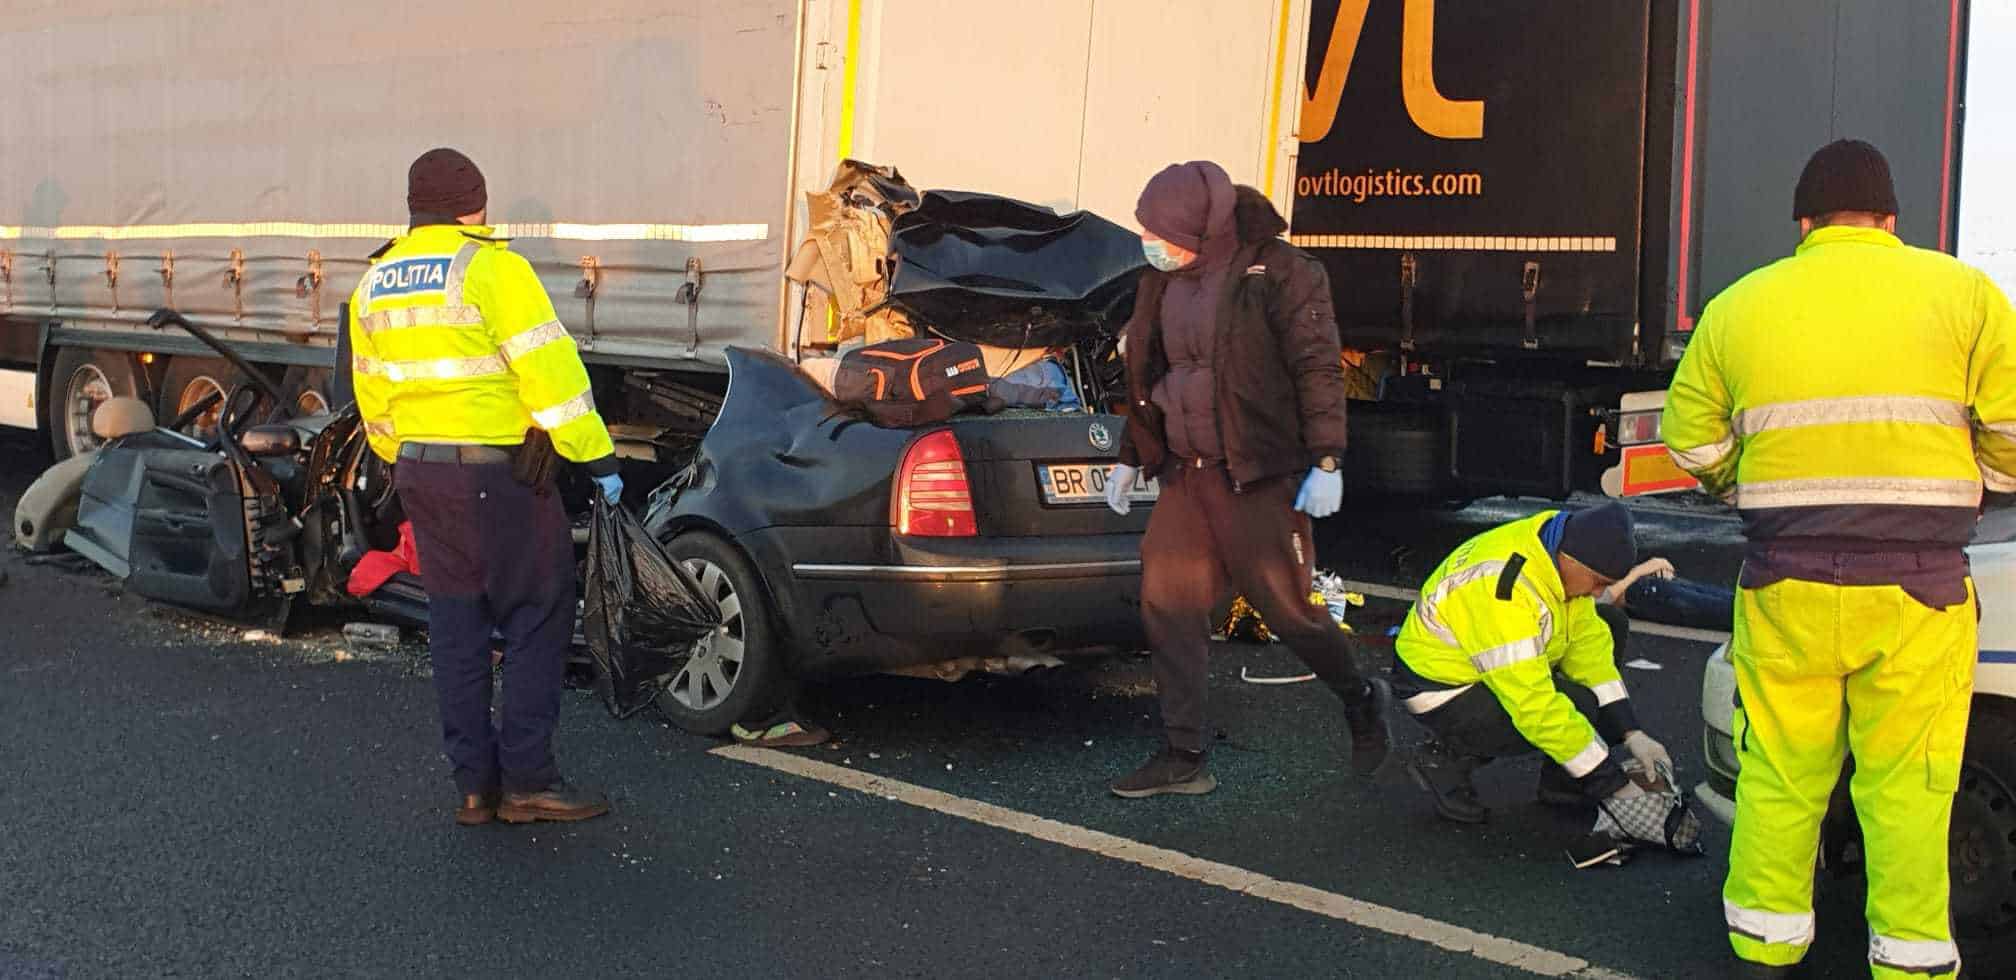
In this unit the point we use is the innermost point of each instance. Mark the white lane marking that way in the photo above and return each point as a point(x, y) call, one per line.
point(1637, 626)
point(1456, 939)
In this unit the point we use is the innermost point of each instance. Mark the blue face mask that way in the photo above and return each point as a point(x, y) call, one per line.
point(1160, 256)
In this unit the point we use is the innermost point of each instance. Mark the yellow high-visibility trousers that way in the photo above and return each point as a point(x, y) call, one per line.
point(1822, 670)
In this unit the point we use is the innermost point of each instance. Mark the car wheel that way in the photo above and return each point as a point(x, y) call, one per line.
point(82, 380)
point(737, 674)
point(1983, 845)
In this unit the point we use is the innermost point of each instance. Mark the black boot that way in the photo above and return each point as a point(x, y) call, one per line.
point(1371, 734)
point(1447, 778)
point(1168, 771)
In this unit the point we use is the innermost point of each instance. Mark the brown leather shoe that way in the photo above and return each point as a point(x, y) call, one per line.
point(477, 809)
point(561, 801)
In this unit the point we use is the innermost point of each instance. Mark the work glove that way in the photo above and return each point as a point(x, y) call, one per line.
point(612, 487)
point(1651, 755)
point(1119, 484)
point(1322, 493)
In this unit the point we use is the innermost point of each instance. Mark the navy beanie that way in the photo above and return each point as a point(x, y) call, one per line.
point(1600, 538)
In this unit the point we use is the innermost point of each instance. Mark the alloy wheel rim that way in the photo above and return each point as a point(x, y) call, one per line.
point(708, 676)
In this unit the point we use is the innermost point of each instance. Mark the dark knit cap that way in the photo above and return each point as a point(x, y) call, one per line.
point(1190, 205)
point(1845, 175)
point(444, 182)
point(1600, 538)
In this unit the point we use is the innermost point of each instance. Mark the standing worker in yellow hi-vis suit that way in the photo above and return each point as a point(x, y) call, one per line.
point(460, 367)
point(1850, 400)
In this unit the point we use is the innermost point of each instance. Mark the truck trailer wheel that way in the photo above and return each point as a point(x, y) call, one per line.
point(82, 380)
point(739, 673)
point(307, 391)
point(188, 381)
point(1983, 844)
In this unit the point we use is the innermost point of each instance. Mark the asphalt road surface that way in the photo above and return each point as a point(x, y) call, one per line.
point(180, 800)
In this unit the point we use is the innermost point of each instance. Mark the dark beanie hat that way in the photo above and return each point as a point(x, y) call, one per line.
point(1600, 538)
point(1188, 203)
point(445, 183)
point(1845, 175)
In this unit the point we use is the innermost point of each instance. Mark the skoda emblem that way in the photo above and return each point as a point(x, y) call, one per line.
point(1102, 440)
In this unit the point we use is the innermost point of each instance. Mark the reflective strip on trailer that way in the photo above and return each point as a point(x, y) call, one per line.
point(1651, 469)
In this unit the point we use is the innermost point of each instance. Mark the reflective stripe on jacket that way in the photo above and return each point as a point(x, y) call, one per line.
point(1496, 613)
point(453, 340)
point(1858, 390)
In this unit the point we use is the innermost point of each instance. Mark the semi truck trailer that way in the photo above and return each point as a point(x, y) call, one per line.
point(1523, 207)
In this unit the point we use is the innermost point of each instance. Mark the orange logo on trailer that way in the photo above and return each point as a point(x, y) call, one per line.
point(1434, 114)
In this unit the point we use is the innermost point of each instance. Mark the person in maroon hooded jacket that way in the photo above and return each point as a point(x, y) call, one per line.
point(1236, 392)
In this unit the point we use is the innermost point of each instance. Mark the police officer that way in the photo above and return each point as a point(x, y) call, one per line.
point(1476, 658)
point(1850, 400)
point(458, 356)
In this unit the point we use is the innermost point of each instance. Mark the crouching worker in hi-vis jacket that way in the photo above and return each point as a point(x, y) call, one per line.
point(1477, 657)
point(461, 367)
point(1859, 477)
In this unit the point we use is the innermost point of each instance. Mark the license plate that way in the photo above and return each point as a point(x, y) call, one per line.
point(1084, 483)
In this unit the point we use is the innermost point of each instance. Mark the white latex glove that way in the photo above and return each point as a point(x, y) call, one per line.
point(1649, 753)
point(1119, 484)
point(1322, 493)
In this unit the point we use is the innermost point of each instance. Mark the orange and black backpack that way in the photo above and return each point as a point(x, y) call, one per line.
point(917, 381)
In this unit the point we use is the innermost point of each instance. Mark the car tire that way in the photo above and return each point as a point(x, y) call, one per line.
point(1983, 844)
point(80, 380)
point(740, 674)
point(187, 381)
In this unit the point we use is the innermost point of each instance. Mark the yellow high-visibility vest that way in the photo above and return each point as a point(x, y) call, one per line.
point(1495, 613)
point(454, 340)
point(1858, 389)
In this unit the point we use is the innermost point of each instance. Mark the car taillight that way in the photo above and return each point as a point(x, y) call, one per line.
point(1637, 428)
point(932, 498)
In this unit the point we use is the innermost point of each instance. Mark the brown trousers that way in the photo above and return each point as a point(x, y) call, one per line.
point(1205, 542)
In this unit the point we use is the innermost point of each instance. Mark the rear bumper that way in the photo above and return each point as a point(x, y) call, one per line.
point(1002, 572)
point(931, 601)
point(1718, 740)
point(1718, 806)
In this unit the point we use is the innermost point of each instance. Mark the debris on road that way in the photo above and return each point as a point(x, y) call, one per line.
point(1643, 664)
point(1245, 674)
point(367, 635)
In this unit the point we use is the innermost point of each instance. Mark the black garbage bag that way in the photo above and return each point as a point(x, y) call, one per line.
point(642, 613)
point(1000, 272)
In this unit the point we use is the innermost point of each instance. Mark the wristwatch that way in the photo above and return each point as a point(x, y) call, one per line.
point(1327, 464)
